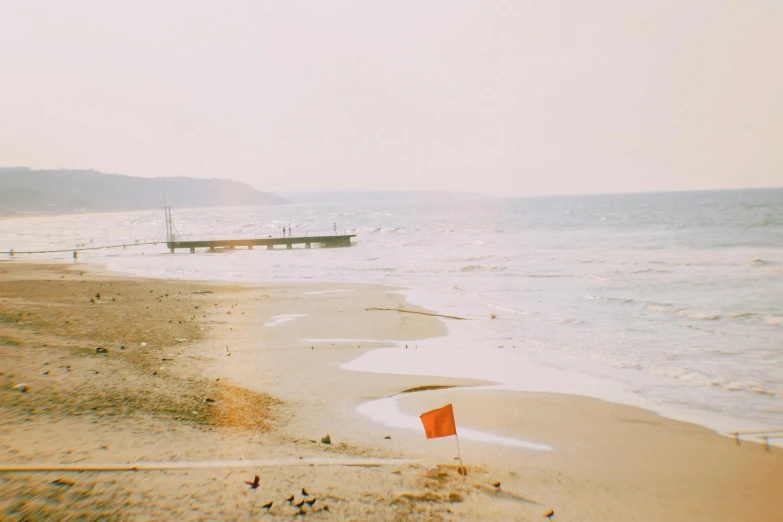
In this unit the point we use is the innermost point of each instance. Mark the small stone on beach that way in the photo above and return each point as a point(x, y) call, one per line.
point(326, 439)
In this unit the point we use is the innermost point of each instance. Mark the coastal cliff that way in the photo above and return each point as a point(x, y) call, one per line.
point(25, 190)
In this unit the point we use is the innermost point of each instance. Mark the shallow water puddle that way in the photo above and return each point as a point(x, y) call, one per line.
point(319, 292)
point(280, 319)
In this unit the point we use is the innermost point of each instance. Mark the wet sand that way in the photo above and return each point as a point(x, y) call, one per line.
point(225, 374)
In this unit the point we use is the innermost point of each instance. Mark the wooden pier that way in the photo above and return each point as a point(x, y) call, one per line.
point(322, 239)
point(269, 242)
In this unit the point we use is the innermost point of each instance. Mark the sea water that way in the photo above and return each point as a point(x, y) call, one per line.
point(675, 298)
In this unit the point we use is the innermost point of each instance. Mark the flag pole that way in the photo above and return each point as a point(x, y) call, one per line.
point(462, 470)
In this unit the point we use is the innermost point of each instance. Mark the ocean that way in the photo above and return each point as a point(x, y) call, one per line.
point(670, 301)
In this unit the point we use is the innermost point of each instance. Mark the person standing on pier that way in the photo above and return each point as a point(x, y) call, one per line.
point(283, 231)
point(289, 232)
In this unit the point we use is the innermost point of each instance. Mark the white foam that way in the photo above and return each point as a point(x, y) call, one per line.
point(462, 355)
point(387, 411)
point(465, 354)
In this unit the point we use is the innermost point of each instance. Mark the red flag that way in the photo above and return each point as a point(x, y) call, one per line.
point(439, 423)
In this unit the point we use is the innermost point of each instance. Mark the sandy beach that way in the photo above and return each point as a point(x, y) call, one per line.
point(98, 368)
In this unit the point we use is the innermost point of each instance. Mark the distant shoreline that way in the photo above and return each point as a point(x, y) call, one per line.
point(68, 190)
point(35, 214)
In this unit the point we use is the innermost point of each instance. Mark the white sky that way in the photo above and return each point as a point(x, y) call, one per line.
point(515, 97)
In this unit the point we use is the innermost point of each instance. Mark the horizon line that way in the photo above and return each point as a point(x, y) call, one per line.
point(491, 194)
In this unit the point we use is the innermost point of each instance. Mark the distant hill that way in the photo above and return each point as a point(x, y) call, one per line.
point(26, 190)
point(369, 196)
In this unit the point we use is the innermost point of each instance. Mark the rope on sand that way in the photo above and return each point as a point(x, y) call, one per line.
point(202, 464)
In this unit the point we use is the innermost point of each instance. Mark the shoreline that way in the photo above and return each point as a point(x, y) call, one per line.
point(595, 470)
point(559, 380)
point(508, 370)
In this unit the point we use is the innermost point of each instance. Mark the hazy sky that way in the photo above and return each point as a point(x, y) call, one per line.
point(517, 97)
